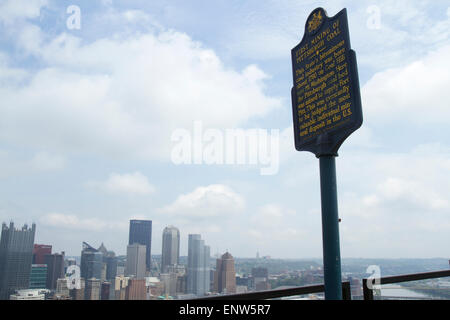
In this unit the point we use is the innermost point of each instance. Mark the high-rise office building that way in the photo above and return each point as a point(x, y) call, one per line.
point(62, 290)
point(136, 258)
point(198, 270)
point(141, 232)
point(111, 267)
point(170, 283)
point(38, 276)
point(91, 262)
point(39, 252)
point(136, 290)
point(260, 279)
point(78, 294)
point(106, 291)
point(170, 248)
point(260, 272)
point(92, 289)
point(55, 269)
point(120, 285)
point(225, 275)
point(16, 256)
point(109, 263)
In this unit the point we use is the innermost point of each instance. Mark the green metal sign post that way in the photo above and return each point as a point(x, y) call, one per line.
point(330, 229)
point(326, 108)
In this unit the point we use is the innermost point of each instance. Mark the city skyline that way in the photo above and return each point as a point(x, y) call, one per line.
point(115, 111)
point(100, 278)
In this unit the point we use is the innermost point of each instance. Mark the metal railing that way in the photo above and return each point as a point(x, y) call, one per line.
point(368, 292)
point(280, 293)
point(346, 289)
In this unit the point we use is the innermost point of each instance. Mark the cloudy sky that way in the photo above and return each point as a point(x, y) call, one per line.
point(91, 93)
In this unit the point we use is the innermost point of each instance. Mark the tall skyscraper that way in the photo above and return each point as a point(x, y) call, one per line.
point(55, 268)
point(198, 270)
point(170, 248)
point(39, 252)
point(225, 275)
point(106, 291)
point(136, 258)
point(16, 256)
point(111, 267)
point(91, 262)
point(141, 232)
point(109, 263)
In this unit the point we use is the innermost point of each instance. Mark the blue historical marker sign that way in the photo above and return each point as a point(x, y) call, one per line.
point(326, 101)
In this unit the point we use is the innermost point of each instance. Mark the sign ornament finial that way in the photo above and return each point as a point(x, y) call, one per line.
point(315, 21)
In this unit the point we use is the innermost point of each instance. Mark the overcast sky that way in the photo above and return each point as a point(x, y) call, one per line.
point(89, 106)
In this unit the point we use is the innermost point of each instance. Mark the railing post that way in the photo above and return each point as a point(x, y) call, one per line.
point(368, 293)
point(346, 291)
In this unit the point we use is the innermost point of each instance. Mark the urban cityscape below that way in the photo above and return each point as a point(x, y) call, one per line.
point(30, 271)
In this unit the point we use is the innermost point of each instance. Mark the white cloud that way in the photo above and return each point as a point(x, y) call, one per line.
point(255, 234)
point(12, 165)
point(275, 226)
point(204, 202)
point(128, 20)
point(407, 31)
point(269, 32)
point(395, 189)
point(45, 161)
point(69, 221)
point(125, 96)
point(272, 215)
point(10, 76)
point(11, 10)
point(122, 95)
point(129, 183)
point(416, 93)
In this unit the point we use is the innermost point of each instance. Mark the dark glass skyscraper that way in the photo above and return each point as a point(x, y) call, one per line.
point(109, 262)
point(141, 232)
point(111, 267)
point(16, 255)
point(91, 262)
point(55, 269)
